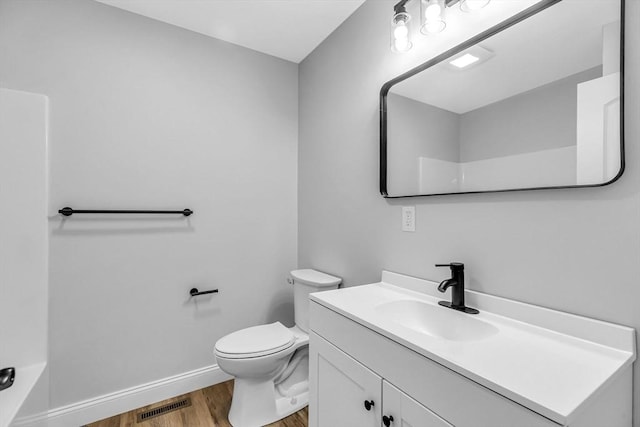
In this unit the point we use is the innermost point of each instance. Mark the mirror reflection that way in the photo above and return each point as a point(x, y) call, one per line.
point(536, 105)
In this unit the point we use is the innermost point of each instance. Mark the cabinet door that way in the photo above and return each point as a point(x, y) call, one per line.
point(405, 411)
point(339, 387)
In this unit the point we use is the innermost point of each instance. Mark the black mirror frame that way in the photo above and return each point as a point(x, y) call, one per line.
point(527, 13)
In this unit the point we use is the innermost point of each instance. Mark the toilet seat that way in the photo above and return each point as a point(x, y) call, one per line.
point(255, 341)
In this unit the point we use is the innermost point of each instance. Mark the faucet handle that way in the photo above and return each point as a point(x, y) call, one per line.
point(452, 265)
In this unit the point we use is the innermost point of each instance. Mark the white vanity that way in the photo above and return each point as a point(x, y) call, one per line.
point(388, 354)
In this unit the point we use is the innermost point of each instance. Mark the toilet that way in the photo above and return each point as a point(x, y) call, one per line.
point(270, 362)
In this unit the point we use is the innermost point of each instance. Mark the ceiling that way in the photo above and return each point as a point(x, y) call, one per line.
point(560, 41)
point(287, 29)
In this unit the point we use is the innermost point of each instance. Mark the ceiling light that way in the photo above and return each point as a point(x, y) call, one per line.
point(464, 61)
point(470, 58)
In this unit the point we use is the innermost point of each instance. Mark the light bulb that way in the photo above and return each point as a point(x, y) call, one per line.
point(402, 45)
point(433, 11)
point(401, 31)
point(433, 20)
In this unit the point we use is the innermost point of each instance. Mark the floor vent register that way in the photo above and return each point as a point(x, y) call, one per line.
point(162, 410)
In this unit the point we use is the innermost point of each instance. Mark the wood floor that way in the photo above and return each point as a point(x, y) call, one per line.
point(209, 408)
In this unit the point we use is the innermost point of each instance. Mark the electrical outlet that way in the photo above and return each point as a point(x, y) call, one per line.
point(408, 218)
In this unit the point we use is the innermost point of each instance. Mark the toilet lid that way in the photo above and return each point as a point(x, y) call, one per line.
point(255, 341)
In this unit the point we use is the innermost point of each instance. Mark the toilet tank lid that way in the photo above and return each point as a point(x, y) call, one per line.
point(315, 278)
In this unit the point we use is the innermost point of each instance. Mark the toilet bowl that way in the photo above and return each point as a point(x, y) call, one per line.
point(270, 363)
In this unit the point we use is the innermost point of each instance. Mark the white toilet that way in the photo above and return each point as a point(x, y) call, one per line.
point(270, 363)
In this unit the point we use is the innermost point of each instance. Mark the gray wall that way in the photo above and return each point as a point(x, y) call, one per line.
point(415, 130)
point(146, 115)
point(576, 250)
point(536, 120)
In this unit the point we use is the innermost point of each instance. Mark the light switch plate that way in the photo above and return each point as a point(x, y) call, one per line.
point(408, 218)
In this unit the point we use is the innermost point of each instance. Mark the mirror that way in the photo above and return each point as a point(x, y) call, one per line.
point(530, 104)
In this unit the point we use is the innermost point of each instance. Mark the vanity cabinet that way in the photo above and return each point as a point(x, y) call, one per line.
point(538, 368)
point(347, 393)
point(407, 412)
point(350, 363)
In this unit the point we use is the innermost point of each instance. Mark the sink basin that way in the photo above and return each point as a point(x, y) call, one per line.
point(436, 321)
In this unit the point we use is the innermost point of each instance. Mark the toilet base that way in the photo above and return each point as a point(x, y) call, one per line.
point(249, 408)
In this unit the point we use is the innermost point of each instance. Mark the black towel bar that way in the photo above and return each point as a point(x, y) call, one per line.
point(67, 211)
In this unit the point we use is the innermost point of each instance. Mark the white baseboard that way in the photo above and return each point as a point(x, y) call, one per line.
point(90, 410)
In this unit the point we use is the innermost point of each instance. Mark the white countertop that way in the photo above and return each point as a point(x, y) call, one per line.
point(548, 361)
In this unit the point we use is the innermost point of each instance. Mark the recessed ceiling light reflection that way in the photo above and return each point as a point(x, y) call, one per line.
point(464, 61)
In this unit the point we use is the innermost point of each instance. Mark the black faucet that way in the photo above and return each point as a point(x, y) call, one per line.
point(456, 283)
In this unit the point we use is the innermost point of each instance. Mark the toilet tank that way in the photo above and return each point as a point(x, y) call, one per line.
point(305, 282)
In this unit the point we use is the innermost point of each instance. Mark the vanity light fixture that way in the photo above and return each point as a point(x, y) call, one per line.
point(432, 19)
